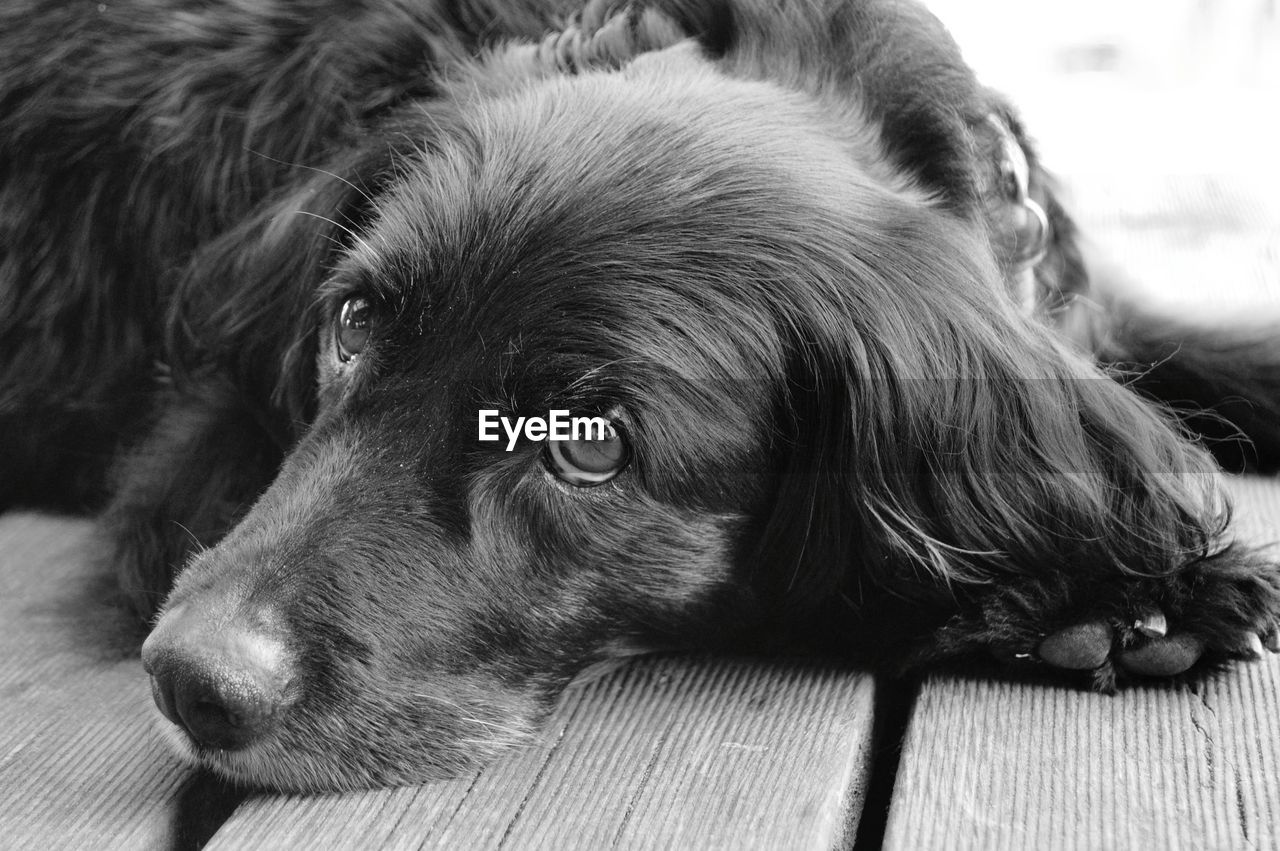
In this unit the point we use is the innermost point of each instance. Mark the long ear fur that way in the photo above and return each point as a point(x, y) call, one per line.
point(948, 452)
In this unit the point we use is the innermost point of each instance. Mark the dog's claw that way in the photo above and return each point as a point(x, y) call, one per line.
point(1163, 657)
point(1082, 646)
point(1253, 649)
point(1009, 656)
point(1152, 624)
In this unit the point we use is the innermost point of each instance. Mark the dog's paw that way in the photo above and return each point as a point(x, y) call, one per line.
point(1213, 613)
point(1147, 647)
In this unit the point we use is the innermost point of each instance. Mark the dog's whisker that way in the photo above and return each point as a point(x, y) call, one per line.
point(362, 191)
point(355, 237)
point(197, 546)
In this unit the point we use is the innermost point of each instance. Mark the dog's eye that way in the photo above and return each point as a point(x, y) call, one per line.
point(585, 462)
point(355, 324)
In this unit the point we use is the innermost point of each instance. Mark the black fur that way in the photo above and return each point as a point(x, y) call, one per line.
point(766, 239)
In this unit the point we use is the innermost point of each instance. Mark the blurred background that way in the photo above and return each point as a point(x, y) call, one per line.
point(1163, 119)
point(1157, 41)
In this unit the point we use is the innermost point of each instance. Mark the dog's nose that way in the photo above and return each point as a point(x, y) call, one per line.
point(222, 682)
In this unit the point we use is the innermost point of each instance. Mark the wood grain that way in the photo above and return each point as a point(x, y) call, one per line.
point(81, 765)
point(994, 765)
point(673, 752)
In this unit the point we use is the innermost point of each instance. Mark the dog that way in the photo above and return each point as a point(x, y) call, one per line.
point(295, 292)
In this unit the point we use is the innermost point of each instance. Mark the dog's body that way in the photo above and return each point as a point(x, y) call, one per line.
point(271, 260)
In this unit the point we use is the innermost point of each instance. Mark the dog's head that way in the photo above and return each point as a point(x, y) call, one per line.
point(734, 274)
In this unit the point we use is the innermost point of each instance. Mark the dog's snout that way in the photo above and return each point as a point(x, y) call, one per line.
point(223, 682)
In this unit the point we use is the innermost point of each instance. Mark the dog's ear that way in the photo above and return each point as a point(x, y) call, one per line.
point(942, 444)
point(243, 306)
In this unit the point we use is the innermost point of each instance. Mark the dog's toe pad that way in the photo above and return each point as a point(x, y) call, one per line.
point(1082, 646)
point(1163, 657)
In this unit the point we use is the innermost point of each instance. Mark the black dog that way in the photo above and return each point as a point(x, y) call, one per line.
point(264, 265)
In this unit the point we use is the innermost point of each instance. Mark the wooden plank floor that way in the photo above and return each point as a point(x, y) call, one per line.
point(666, 752)
point(996, 765)
point(80, 763)
point(669, 753)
